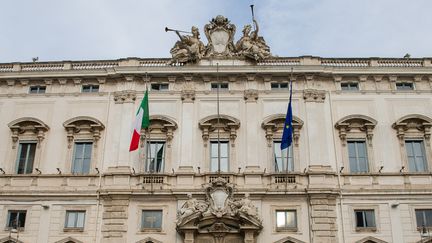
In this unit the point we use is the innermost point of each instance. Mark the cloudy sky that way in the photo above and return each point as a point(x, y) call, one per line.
point(112, 29)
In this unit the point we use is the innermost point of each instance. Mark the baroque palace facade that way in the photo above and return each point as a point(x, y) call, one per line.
point(359, 168)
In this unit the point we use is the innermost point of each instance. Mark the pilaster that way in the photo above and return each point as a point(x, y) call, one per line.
point(114, 219)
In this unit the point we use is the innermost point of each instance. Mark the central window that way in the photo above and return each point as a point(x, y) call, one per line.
point(26, 156)
point(286, 219)
point(222, 86)
point(283, 159)
point(279, 86)
point(151, 220)
point(75, 219)
point(214, 155)
point(349, 86)
point(82, 157)
point(358, 156)
point(37, 89)
point(155, 156)
point(416, 155)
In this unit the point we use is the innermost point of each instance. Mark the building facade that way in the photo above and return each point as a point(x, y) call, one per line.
point(358, 170)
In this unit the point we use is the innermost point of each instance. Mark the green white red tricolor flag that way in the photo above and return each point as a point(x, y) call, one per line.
point(142, 120)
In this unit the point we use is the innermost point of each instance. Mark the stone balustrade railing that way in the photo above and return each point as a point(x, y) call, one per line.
point(163, 62)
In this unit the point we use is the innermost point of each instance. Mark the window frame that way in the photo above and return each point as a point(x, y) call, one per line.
point(159, 85)
point(74, 157)
point(423, 151)
point(366, 227)
point(424, 218)
point(40, 89)
point(220, 84)
point(402, 86)
point(18, 157)
point(92, 88)
point(291, 157)
point(215, 142)
point(350, 86)
point(151, 229)
point(148, 157)
point(276, 86)
point(357, 141)
point(8, 219)
point(285, 227)
point(75, 227)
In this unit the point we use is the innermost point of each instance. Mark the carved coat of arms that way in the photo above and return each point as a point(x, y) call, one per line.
point(220, 35)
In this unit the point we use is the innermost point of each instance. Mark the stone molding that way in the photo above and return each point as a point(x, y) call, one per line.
point(370, 239)
point(188, 96)
point(28, 127)
point(413, 125)
point(124, 96)
point(69, 239)
point(313, 95)
point(251, 95)
point(227, 126)
point(160, 127)
point(356, 124)
point(83, 126)
point(273, 127)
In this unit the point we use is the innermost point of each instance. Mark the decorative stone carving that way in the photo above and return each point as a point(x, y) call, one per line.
point(251, 95)
point(220, 35)
point(124, 96)
point(413, 126)
point(83, 127)
point(251, 45)
point(227, 127)
point(188, 96)
point(28, 127)
point(313, 95)
point(188, 49)
point(273, 126)
point(359, 124)
point(161, 127)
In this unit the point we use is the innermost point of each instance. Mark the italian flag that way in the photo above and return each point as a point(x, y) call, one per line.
point(142, 120)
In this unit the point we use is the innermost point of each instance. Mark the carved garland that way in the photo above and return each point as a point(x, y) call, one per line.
point(273, 127)
point(27, 127)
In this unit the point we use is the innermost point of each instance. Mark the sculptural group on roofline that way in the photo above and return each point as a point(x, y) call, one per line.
point(220, 35)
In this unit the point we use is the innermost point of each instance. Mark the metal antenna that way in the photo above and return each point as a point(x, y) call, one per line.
point(218, 117)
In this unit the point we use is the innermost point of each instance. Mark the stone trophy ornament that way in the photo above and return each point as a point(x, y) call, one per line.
point(251, 45)
point(220, 35)
point(188, 49)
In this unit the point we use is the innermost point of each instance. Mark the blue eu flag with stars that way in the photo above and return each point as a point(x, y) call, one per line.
point(287, 135)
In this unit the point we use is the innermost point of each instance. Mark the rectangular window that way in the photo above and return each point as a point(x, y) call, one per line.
point(90, 88)
point(224, 156)
point(26, 155)
point(155, 156)
point(280, 158)
point(222, 86)
point(286, 219)
point(159, 87)
point(404, 86)
point(416, 156)
point(38, 89)
point(16, 219)
point(358, 156)
point(279, 86)
point(82, 157)
point(75, 219)
point(349, 86)
point(424, 217)
point(365, 218)
point(151, 219)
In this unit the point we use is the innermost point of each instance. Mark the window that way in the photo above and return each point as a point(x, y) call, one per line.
point(90, 88)
point(159, 87)
point(156, 156)
point(280, 158)
point(26, 156)
point(365, 218)
point(82, 157)
point(416, 155)
point(224, 156)
point(357, 155)
point(16, 219)
point(349, 86)
point(279, 86)
point(75, 219)
point(286, 219)
point(37, 89)
point(423, 217)
point(222, 86)
point(151, 219)
point(404, 86)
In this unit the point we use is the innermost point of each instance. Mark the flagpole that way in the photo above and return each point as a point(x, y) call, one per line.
point(148, 144)
point(288, 149)
point(218, 117)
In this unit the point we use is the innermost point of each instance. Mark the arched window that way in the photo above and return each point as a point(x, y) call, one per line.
point(28, 133)
point(414, 132)
point(356, 133)
point(226, 128)
point(83, 134)
point(158, 139)
point(286, 160)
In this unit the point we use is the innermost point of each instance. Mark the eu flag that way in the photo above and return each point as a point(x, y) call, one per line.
point(287, 136)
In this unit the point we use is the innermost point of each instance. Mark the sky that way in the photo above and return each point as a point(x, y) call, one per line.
point(56, 30)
